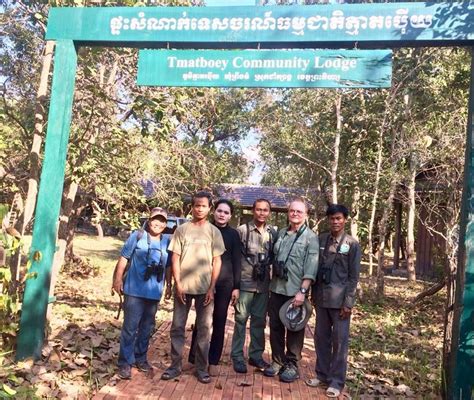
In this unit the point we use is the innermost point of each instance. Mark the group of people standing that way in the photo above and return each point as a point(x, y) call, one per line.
point(257, 270)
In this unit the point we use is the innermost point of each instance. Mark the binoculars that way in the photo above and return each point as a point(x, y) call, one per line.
point(259, 269)
point(280, 270)
point(154, 269)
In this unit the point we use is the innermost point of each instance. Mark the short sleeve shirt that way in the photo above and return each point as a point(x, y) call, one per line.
point(197, 245)
point(142, 255)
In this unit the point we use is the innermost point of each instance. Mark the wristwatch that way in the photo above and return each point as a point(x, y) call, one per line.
point(303, 290)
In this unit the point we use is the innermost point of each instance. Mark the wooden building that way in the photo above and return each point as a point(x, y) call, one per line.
point(245, 195)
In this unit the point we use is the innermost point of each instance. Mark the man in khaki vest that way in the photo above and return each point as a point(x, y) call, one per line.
point(257, 239)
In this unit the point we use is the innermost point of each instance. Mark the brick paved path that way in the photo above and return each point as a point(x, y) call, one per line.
point(228, 385)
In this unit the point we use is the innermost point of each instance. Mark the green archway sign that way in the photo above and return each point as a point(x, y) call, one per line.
point(346, 26)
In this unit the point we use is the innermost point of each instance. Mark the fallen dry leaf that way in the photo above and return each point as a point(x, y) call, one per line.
point(78, 372)
point(49, 377)
point(387, 381)
point(81, 361)
point(43, 390)
point(68, 390)
point(404, 389)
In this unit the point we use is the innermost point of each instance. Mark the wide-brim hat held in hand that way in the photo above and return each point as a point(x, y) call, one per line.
point(295, 318)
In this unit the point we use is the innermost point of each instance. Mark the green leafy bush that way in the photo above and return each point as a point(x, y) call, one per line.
point(9, 290)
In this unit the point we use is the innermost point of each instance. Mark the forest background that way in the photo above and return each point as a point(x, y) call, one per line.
point(363, 148)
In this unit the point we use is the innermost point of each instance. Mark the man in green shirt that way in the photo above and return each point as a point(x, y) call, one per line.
point(294, 270)
point(197, 247)
point(257, 242)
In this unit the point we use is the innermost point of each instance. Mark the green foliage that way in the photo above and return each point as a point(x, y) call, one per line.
point(9, 302)
point(121, 135)
point(298, 129)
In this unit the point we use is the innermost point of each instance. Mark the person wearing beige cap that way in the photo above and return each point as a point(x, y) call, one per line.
point(139, 275)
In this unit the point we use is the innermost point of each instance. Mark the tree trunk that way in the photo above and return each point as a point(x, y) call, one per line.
point(394, 181)
point(375, 195)
point(356, 195)
point(398, 235)
point(100, 231)
point(355, 208)
point(403, 247)
point(433, 289)
point(97, 220)
point(382, 234)
point(35, 159)
point(411, 222)
point(454, 281)
point(71, 229)
point(67, 206)
point(337, 142)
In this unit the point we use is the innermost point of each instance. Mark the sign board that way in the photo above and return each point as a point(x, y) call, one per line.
point(266, 68)
point(229, 3)
point(387, 22)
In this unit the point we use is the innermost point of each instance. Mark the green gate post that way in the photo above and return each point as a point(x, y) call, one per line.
point(35, 300)
point(463, 325)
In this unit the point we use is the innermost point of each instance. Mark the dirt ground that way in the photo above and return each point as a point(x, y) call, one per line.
point(395, 348)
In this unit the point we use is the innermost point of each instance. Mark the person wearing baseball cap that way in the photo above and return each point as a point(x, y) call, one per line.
point(140, 275)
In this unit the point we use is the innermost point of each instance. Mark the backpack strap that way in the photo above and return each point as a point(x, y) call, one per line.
point(140, 234)
point(163, 248)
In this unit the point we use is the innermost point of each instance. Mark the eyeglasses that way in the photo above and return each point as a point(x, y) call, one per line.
point(297, 212)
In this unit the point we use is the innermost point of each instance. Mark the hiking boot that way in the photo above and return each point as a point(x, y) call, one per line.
point(144, 366)
point(239, 366)
point(261, 364)
point(125, 372)
point(290, 373)
point(273, 370)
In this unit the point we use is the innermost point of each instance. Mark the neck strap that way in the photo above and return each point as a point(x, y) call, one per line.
point(297, 236)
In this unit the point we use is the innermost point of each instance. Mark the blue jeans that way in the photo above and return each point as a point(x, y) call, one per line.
point(138, 323)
